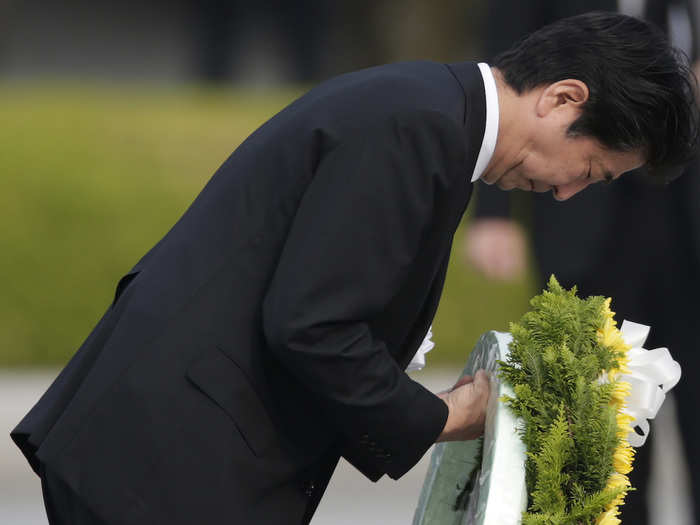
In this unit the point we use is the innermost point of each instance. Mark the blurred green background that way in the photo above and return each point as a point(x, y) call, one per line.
point(115, 116)
point(93, 175)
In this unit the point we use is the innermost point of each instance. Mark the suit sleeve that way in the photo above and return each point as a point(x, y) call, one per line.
point(356, 233)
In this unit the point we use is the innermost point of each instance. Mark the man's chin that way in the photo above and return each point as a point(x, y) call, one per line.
point(507, 184)
point(490, 179)
point(542, 188)
point(504, 185)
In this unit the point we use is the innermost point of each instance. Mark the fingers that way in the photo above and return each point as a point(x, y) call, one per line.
point(467, 407)
point(481, 386)
point(464, 380)
point(481, 380)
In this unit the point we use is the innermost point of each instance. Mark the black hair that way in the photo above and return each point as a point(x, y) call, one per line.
point(641, 90)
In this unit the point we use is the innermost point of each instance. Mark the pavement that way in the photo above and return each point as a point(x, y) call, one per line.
point(350, 498)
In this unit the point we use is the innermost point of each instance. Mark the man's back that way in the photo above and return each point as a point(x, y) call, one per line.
point(188, 319)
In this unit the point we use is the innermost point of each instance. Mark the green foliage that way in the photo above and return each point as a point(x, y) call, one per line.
point(93, 175)
point(550, 464)
point(570, 428)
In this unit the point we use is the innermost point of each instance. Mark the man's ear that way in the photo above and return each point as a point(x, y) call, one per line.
point(564, 94)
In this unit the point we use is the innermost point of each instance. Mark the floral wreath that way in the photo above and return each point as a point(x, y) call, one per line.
point(570, 396)
point(566, 366)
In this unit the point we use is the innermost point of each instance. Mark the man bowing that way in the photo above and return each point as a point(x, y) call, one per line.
point(267, 333)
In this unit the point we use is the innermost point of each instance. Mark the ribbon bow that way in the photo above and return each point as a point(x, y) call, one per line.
point(652, 373)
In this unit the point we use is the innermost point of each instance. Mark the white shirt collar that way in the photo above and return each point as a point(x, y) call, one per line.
point(488, 144)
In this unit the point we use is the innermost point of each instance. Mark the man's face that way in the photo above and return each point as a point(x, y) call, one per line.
point(566, 165)
point(540, 154)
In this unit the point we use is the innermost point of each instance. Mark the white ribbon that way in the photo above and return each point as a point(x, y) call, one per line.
point(652, 373)
point(418, 361)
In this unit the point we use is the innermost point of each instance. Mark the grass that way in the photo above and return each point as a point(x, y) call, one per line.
point(94, 175)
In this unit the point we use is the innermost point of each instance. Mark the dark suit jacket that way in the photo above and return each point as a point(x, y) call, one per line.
point(267, 333)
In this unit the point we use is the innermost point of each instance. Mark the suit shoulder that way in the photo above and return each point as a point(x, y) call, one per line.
point(390, 88)
point(429, 124)
point(416, 140)
point(420, 71)
point(430, 129)
point(401, 79)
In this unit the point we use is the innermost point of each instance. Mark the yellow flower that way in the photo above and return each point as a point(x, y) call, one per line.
point(623, 458)
point(610, 336)
point(606, 308)
point(624, 426)
point(621, 391)
point(609, 518)
point(618, 480)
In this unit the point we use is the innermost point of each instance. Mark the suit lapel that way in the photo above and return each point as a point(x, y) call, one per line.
point(469, 77)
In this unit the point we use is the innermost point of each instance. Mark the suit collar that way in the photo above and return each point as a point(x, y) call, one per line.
point(471, 80)
point(488, 144)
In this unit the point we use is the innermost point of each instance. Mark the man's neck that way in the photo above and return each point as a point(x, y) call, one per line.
point(512, 130)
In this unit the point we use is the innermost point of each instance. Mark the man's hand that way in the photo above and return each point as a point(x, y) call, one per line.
point(496, 248)
point(466, 402)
